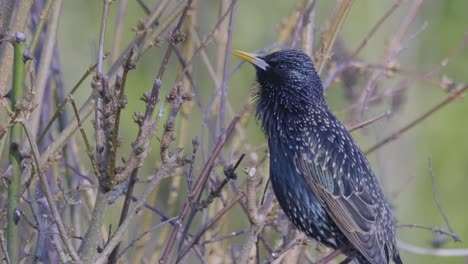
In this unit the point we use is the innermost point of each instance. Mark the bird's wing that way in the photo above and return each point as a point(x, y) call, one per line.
point(348, 202)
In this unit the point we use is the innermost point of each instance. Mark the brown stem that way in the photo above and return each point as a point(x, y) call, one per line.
point(368, 121)
point(330, 35)
point(49, 197)
point(227, 56)
point(374, 29)
point(198, 235)
point(203, 176)
point(124, 212)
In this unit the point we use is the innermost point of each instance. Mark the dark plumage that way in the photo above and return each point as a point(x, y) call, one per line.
point(320, 177)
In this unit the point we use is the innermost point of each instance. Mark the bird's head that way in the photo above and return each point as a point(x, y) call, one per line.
point(287, 83)
point(286, 75)
point(289, 89)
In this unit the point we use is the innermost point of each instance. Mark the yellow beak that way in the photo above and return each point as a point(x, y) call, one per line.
point(252, 58)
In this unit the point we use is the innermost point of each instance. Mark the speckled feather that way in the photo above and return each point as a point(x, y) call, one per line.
point(320, 177)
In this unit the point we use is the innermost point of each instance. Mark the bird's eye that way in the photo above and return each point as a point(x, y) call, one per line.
point(280, 67)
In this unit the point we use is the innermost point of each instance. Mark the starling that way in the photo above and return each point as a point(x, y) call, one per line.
point(321, 179)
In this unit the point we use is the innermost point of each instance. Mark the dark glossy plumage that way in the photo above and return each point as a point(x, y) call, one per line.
point(320, 177)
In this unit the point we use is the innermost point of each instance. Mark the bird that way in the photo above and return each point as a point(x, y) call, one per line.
point(320, 177)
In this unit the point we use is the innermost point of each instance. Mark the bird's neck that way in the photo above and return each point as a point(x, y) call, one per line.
point(281, 120)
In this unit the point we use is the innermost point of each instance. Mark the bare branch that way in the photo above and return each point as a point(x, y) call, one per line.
point(395, 135)
point(436, 197)
point(436, 230)
point(50, 200)
point(462, 252)
point(44, 67)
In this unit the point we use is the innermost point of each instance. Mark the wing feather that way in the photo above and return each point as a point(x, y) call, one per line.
point(351, 206)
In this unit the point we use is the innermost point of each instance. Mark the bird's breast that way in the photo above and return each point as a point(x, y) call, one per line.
point(297, 199)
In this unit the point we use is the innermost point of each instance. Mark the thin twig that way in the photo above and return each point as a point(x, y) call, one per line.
point(276, 257)
point(227, 56)
point(395, 135)
point(435, 195)
point(459, 252)
point(46, 61)
point(58, 246)
point(201, 180)
point(308, 29)
point(152, 229)
point(223, 237)
point(118, 30)
point(144, 6)
point(117, 236)
point(102, 36)
point(288, 27)
point(50, 199)
point(197, 236)
point(64, 102)
point(144, 34)
point(404, 85)
point(369, 121)
point(154, 16)
point(89, 150)
point(189, 76)
point(4, 247)
point(373, 81)
point(330, 35)
point(298, 25)
point(40, 26)
point(230, 173)
point(393, 50)
point(120, 103)
point(62, 138)
point(205, 41)
point(436, 230)
point(374, 29)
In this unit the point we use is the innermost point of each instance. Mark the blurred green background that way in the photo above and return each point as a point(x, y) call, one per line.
point(403, 165)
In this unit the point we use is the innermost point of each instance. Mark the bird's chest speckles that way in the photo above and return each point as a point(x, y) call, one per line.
point(307, 131)
point(298, 201)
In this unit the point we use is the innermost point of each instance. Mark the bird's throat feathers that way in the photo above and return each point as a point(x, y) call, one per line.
point(280, 110)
